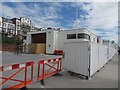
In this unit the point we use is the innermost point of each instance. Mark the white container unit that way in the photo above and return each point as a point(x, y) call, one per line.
point(84, 57)
point(63, 37)
point(50, 39)
point(55, 38)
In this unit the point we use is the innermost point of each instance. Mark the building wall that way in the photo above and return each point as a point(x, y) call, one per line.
point(7, 47)
point(25, 21)
point(0, 23)
point(10, 29)
point(17, 28)
point(4, 26)
point(32, 27)
point(13, 27)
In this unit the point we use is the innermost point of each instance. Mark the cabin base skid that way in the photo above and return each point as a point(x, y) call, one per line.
point(79, 75)
point(58, 74)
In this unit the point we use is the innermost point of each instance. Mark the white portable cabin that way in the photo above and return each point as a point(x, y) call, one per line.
point(71, 35)
point(85, 56)
point(47, 36)
point(55, 38)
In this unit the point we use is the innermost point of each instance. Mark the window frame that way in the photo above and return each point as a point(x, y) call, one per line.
point(69, 36)
point(84, 36)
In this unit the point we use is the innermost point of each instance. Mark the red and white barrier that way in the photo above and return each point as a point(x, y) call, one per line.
point(19, 67)
point(55, 66)
point(46, 68)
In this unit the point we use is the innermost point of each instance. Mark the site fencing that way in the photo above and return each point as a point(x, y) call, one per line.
point(20, 67)
point(49, 68)
point(14, 72)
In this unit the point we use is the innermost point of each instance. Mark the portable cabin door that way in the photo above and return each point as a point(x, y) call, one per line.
point(50, 41)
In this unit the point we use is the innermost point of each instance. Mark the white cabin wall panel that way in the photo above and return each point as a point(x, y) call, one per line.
point(110, 53)
point(61, 39)
point(113, 52)
point(70, 56)
point(76, 57)
point(50, 41)
point(73, 60)
point(102, 55)
point(106, 53)
point(56, 40)
point(82, 58)
point(94, 61)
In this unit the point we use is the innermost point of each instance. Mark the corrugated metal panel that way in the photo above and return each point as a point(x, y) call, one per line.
point(70, 56)
point(76, 57)
point(112, 52)
point(82, 58)
point(102, 55)
point(94, 60)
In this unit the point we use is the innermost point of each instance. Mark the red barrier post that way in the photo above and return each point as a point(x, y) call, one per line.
point(54, 68)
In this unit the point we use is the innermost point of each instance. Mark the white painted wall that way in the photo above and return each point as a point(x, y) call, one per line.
point(76, 57)
point(94, 58)
point(51, 38)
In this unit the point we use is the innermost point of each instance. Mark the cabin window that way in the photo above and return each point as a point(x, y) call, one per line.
point(83, 36)
point(71, 36)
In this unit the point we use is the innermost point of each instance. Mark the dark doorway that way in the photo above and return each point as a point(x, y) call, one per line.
point(39, 38)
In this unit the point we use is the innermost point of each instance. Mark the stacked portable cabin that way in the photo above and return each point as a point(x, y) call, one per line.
point(84, 55)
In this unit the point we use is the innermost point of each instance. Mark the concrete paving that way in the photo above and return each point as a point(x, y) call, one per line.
point(10, 58)
point(107, 77)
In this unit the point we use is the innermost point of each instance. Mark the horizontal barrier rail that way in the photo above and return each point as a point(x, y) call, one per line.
point(18, 67)
point(54, 67)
